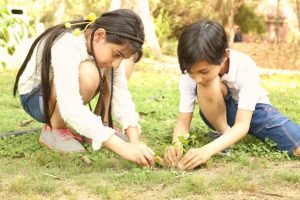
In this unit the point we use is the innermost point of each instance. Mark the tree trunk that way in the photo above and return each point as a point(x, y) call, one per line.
point(298, 12)
point(142, 8)
point(233, 6)
point(231, 20)
point(59, 13)
point(115, 4)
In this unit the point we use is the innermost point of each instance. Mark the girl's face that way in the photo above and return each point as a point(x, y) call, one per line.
point(109, 54)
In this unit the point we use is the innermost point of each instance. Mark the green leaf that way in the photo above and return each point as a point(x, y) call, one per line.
point(6, 35)
point(1, 34)
point(11, 50)
point(4, 65)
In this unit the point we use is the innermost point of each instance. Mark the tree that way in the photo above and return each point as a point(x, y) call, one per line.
point(143, 9)
point(12, 30)
point(298, 12)
point(230, 8)
point(59, 11)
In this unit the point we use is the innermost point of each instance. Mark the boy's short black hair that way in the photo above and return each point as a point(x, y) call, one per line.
point(204, 40)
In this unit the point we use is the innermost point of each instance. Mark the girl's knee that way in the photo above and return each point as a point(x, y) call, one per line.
point(297, 152)
point(89, 79)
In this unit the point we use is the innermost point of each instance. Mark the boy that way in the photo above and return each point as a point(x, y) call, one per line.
point(231, 99)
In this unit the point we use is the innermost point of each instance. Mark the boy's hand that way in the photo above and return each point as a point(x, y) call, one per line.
point(173, 153)
point(194, 158)
point(138, 153)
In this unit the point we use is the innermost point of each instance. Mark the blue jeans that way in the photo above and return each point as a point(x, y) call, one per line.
point(32, 103)
point(266, 122)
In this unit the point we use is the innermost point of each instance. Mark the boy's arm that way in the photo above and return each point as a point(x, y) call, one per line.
point(173, 153)
point(182, 126)
point(195, 157)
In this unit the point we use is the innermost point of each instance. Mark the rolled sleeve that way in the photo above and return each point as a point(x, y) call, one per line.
point(187, 88)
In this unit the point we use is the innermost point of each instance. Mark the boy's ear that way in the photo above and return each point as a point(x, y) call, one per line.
point(226, 54)
point(100, 34)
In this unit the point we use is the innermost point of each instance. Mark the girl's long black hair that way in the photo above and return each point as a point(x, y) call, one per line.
point(121, 26)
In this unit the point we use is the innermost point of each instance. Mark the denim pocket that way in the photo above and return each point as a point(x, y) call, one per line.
point(274, 130)
point(280, 121)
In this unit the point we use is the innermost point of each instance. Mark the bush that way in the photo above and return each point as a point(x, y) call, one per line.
point(249, 21)
point(11, 32)
point(177, 14)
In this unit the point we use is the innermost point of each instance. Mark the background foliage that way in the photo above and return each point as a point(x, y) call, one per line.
point(11, 32)
point(170, 16)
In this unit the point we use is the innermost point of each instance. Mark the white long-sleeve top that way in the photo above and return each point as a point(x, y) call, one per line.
point(66, 55)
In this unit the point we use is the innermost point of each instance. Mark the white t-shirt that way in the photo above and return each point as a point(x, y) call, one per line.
point(242, 80)
point(67, 54)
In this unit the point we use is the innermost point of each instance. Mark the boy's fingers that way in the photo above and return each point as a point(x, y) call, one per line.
point(168, 157)
point(199, 162)
point(190, 163)
point(186, 158)
point(178, 153)
point(172, 154)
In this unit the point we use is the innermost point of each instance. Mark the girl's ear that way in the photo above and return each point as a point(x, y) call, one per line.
point(100, 34)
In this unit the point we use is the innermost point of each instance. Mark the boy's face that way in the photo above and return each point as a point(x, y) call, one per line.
point(203, 73)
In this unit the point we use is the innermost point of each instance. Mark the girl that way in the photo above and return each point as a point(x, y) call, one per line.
point(67, 66)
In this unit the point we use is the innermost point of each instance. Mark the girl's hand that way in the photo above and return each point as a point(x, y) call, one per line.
point(194, 158)
point(133, 134)
point(138, 153)
point(173, 153)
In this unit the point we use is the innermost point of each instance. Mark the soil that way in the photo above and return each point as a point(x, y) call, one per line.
point(270, 55)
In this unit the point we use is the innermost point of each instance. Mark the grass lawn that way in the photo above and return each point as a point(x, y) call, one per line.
point(254, 170)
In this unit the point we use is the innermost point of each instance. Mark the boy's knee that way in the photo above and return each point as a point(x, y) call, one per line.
point(215, 89)
point(224, 89)
point(297, 152)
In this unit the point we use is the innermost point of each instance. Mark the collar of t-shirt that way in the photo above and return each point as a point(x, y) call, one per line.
point(231, 76)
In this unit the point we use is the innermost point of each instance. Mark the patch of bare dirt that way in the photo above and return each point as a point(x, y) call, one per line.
point(271, 55)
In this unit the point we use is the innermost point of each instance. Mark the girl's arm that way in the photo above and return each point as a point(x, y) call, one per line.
point(138, 153)
point(123, 107)
point(195, 157)
point(133, 134)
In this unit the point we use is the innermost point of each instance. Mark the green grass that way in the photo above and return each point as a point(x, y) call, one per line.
point(30, 171)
